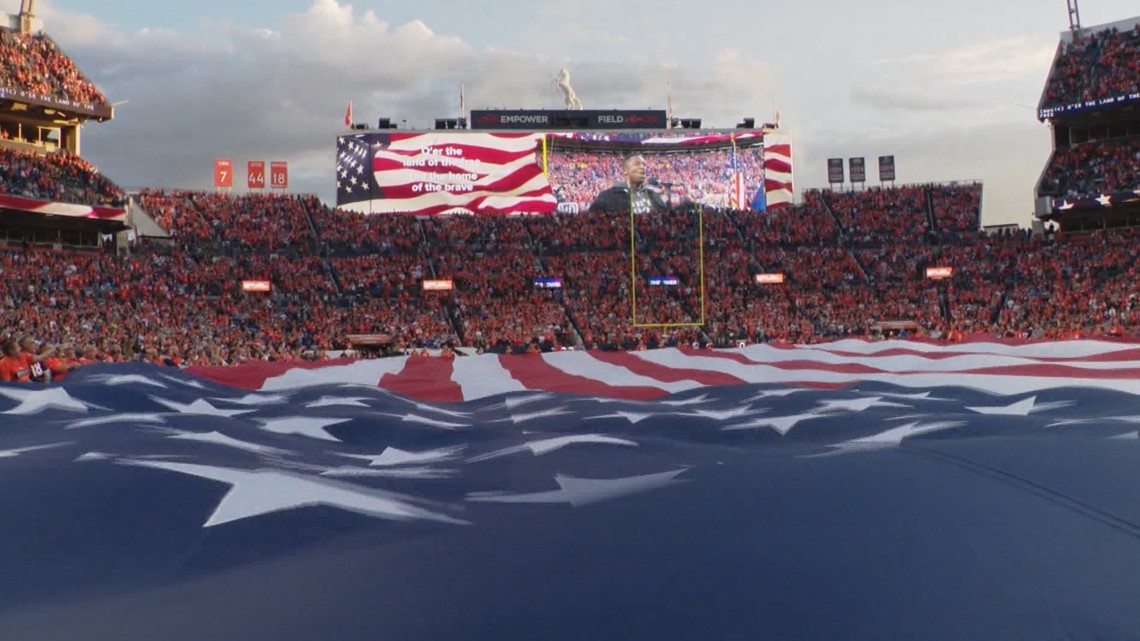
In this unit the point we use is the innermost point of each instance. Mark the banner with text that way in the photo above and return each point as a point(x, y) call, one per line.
point(279, 174)
point(223, 173)
point(441, 173)
point(886, 169)
point(858, 170)
point(835, 171)
point(255, 174)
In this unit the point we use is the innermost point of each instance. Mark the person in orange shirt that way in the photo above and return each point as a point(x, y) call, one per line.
point(12, 367)
point(34, 359)
point(59, 367)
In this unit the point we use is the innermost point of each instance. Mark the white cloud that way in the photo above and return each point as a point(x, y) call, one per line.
point(278, 91)
point(986, 62)
point(921, 102)
point(258, 93)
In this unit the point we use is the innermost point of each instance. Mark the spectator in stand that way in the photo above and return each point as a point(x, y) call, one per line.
point(13, 366)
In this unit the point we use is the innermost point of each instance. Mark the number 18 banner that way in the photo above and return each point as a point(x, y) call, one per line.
point(279, 174)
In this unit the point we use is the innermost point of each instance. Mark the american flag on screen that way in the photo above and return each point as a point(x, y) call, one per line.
point(736, 193)
point(429, 173)
point(666, 494)
point(353, 176)
point(778, 170)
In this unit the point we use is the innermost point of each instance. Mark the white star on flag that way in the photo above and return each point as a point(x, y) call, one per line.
point(309, 426)
point(125, 379)
point(337, 401)
point(1023, 407)
point(546, 446)
point(256, 492)
point(217, 438)
point(524, 417)
point(424, 420)
point(633, 417)
point(36, 401)
point(890, 438)
point(150, 418)
point(580, 491)
point(34, 448)
point(722, 415)
point(782, 424)
point(256, 399)
point(395, 456)
point(857, 404)
point(199, 407)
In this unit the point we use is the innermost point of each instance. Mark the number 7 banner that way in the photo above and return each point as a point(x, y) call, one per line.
point(279, 174)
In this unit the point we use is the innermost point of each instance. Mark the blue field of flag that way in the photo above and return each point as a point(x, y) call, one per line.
point(142, 502)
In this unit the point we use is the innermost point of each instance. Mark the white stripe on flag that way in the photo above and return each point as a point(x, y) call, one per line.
point(481, 376)
point(585, 365)
point(920, 363)
point(515, 144)
point(359, 373)
point(1054, 349)
point(993, 383)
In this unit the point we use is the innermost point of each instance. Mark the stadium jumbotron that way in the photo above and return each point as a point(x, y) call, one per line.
point(629, 372)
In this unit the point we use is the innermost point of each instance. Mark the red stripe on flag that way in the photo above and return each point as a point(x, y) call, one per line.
point(662, 373)
point(426, 378)
point(778, 165)
point(533, 372)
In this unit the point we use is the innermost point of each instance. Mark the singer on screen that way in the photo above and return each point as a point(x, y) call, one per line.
point(632, 192)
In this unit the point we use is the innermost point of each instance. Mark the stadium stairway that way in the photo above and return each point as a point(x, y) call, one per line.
point(537, 252)
point(858, 265)
point(145, 224)
point(931, 220)
point(834, 217)
point(200, 213)
point(318, 248)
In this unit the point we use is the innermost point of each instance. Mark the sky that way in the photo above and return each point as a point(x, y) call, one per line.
point(948, 88)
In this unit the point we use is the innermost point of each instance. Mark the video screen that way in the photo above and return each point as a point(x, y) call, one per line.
point(534, 173)
point(656, 172)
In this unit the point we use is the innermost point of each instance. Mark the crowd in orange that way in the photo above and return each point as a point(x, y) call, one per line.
point(36, 64)
point(851, 262)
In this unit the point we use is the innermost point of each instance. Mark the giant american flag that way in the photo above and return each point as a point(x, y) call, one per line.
point(436, 173)
point(854, 490)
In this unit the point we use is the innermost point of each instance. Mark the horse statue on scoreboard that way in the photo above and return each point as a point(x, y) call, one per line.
point(570, 97)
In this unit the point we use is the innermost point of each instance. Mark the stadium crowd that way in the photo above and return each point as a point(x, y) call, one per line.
point(853, 265)
point(1095, 66)
point(1093, 168)
point(180, 302)
point(60, 176)
point(34, 63)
